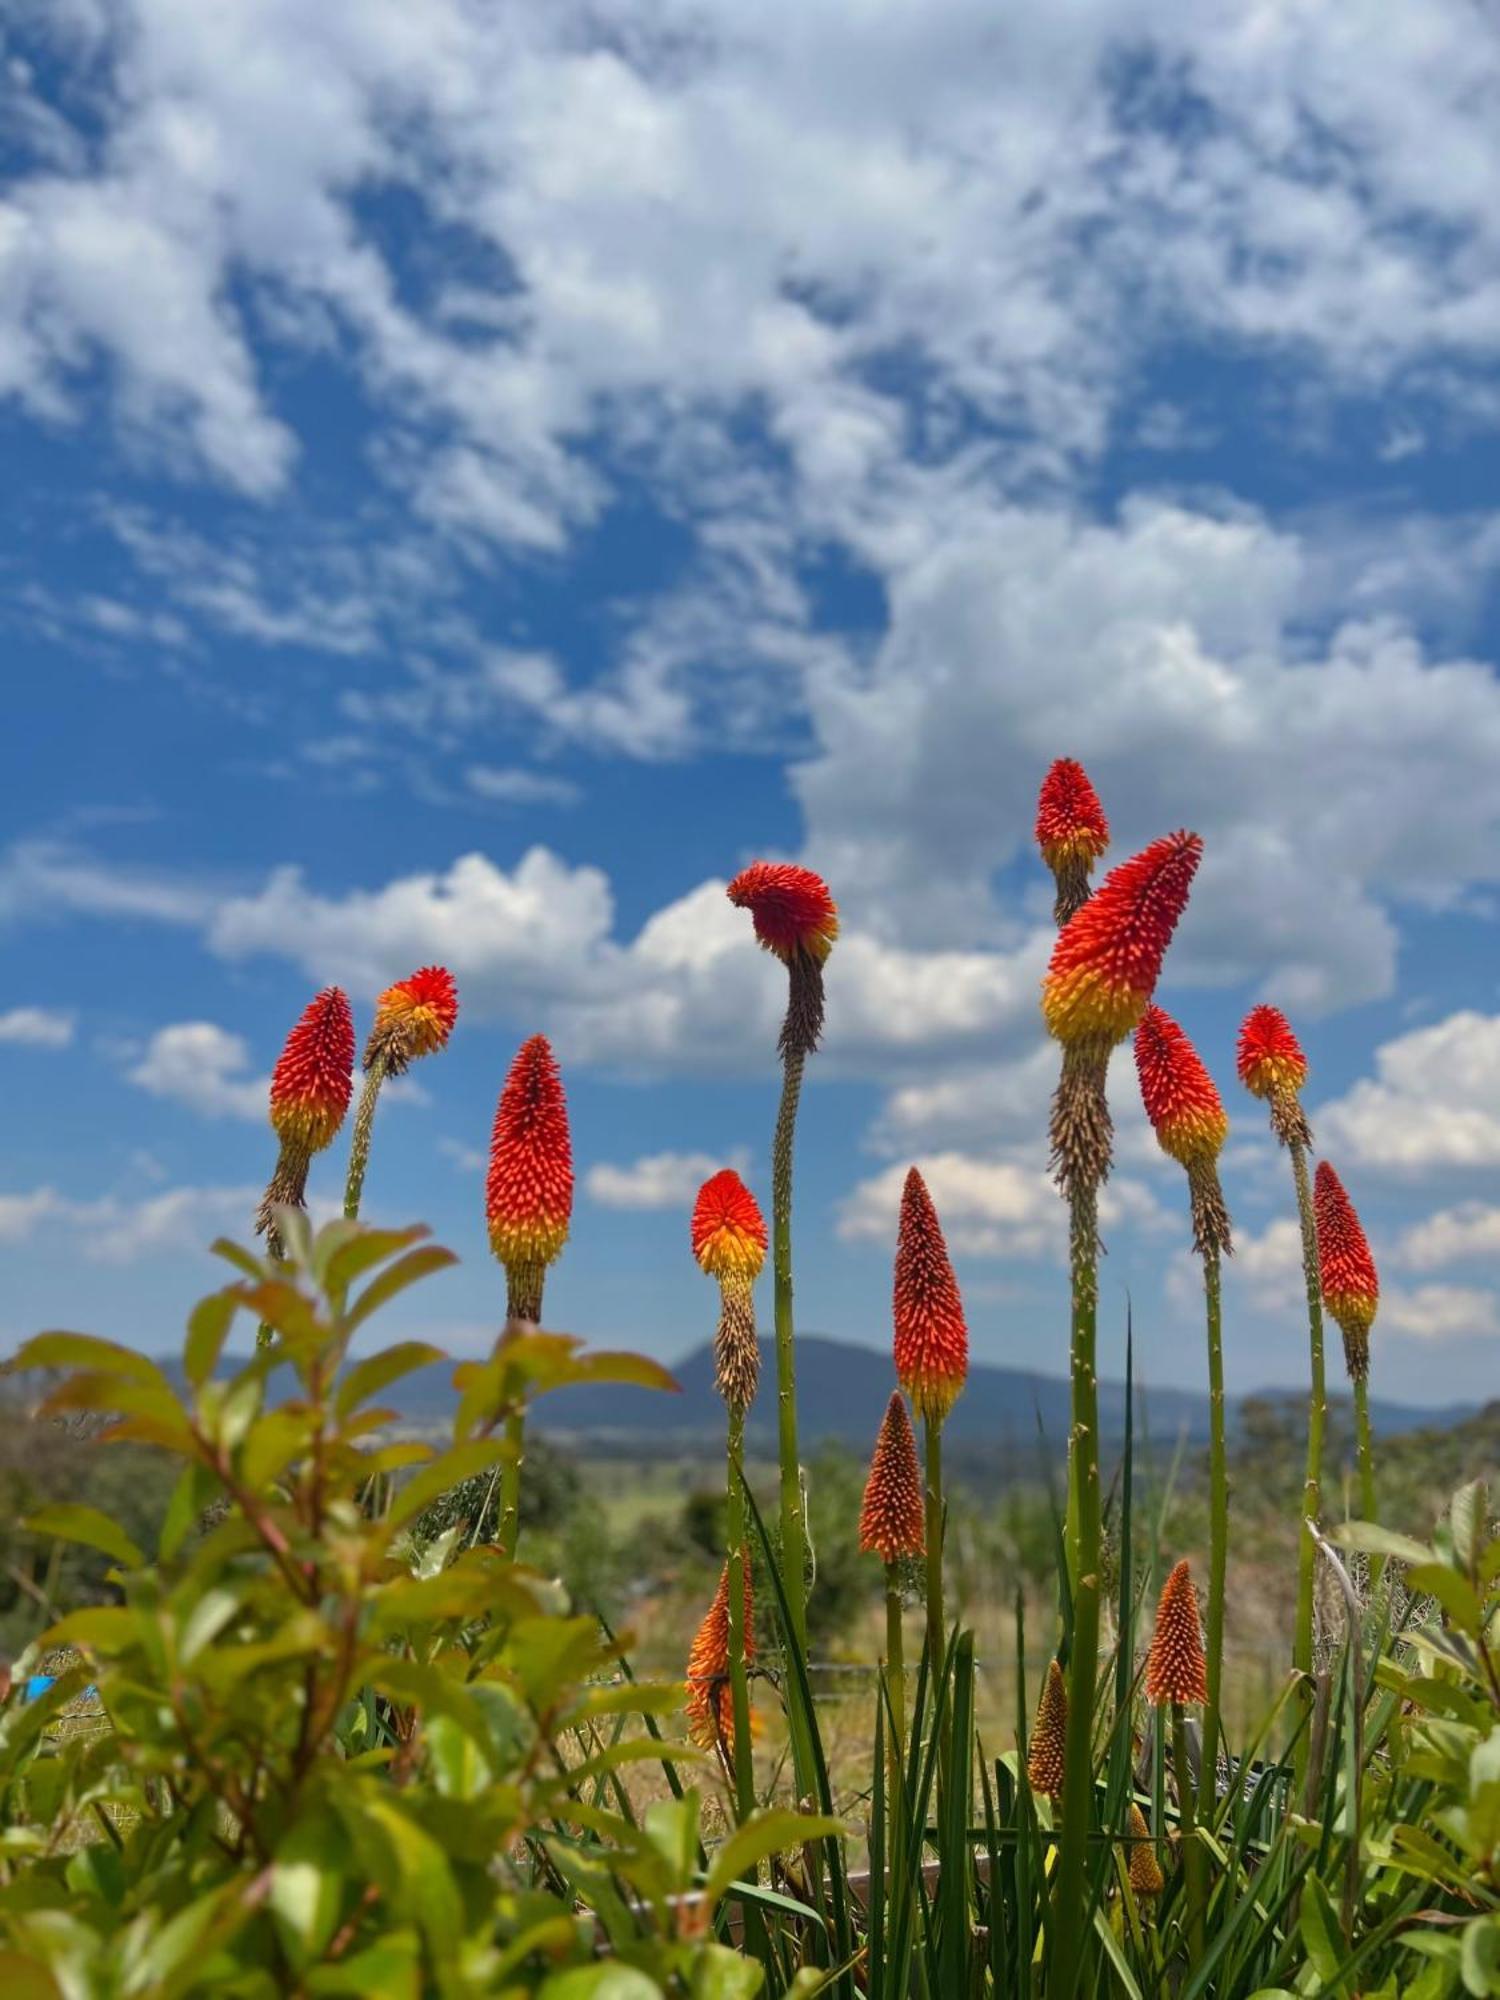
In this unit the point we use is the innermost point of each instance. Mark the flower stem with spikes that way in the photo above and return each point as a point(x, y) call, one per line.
point(936, 1618)
point(895, 1678)
point(1084, 1565)
point(359, 1147)
point(1192, 1854)
point(739, 1684)
point(510, 1483)
point(1218, 1532)
point(792, 1518)
point(1317, 1403)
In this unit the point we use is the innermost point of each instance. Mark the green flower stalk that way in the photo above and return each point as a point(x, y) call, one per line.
point(413, 1018)
point(1189, 1120)
point(1272, 1066)
point(1104, 968)
point(729, 1242)
point(796, 919)
point(528, 1205)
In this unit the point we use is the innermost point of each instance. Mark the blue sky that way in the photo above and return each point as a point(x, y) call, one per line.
point(475, 475)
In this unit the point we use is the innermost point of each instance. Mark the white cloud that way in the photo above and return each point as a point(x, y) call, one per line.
point(37, 1027)
point(201, 1065)
point(114, 1229)
point(658, 1180)
point(988, 1207)
point(1438, 1313)
point(511, 786)
point(1433, 1102)
point(1452, 1236)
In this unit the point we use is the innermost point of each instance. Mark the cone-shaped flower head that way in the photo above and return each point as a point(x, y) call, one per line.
point(791, 908)
point(1269, 1057)
point(710, 1697)
point(1071, 832)
point(1179, 1094)
point(891, 1523)
point(1049, 1735)
point(413, 1018)
point(1175, 1670)
point(1146, 1877)
point(729, 1231)
point(1108, 957)
point(529, 1193)
point(313, 1078)
point(1351, 1289)
point(932, 1340)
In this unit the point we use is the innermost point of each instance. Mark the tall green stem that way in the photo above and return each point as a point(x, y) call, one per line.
point(510, 1482)
point(937, 1623)
point(1317, 1404)
point(793, 1522)
point(739, 1684)
point(364, 1125)
point(895, 1679)
point(1084, 1564)
point(1367, 1499)
point(1218, 1536)
point(1193, 1856)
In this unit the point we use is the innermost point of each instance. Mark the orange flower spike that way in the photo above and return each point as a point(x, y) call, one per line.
point(413, 1018)
point(1351, 1287)
point(529, 1192)
point(1071, 832)
point(313, 1079)
point(1108, 957)
point(710, 1702)
point(1175, 1670)
point(1049, 1735)
point(1180, 1096)
point(791, 909)
point(891, 1521)
point(1144, 1869)
point(728, 1229)
point(1269, 1057)
point(932, 1340)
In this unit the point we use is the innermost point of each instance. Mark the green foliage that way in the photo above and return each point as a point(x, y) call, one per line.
point(298, 1751)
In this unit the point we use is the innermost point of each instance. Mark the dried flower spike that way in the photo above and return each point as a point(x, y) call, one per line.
point(413, 1018)
point(1107, 960)
point(932, 1340)
point(891, 1523)
point(1049, 1735)
point(710, 1701)
point(1351, 1287)
point(1146, 1878)
point(1071, 832)
point(796, 918)
point(529, 1192)
point(310, 1090)
point(1175, 1670)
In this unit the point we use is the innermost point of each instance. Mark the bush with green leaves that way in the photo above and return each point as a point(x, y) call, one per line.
point(301, 1754)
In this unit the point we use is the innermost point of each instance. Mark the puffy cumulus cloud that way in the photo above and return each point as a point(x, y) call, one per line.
point(116, 1229)
point(1432, 1104)
point(37, 1027)
point(988, 1207)
point(1471, 1230)
point(1163, 649)
point(658, 1180)
point(1439, 1313)
point(201, 1065)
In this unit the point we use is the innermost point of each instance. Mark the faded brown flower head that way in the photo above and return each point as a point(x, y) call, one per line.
point(891, 1523)
point(1049, 1735)
point(1175, 1669)
point(1146, 1877)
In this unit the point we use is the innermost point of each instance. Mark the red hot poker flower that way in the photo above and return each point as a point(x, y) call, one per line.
point(1269, 1057)
point(1108, 957)
point(891, 1521)
point(790, 906)
point(932, 1340)
point(1175, 1669)
point(313, 1079)
point(710, 1697)
point(728, 1230)
point(529, 1192)
point(1070, 821)
point(1049, 1735)
point(1181, 1100)
point(413, 1018)
point(1351, 1287)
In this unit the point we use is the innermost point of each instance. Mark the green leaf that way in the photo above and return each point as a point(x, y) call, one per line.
point(1480, 1959)
point(367, 1378)
point(722, 1974)
point(87, 1351)
point(1320, 1930)
point(763, 1834)
point(1114, 1951)
point(274, 1440)
point(242, 1259)
point(307, 1883)
point(70, 1521)
point(391, 1967)
point(1378, 1541)
point(23, 1978)
point(1467, 1514)
point(405, 1271)
point(343, 1257)
point(1453, 1591)
point(207, 1330)
point(451, 1469)
point(600, 1982)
